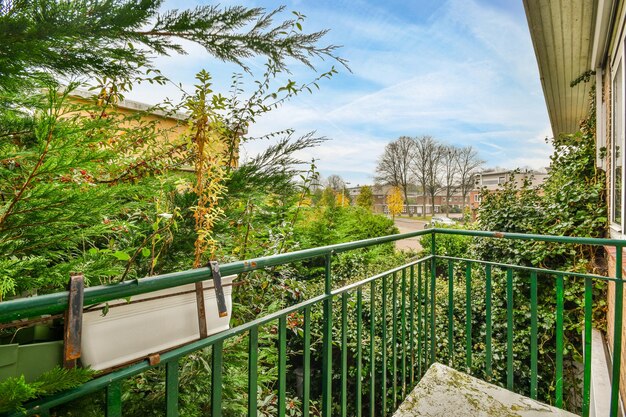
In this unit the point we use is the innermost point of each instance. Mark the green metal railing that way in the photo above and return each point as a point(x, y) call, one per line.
point(416, 316)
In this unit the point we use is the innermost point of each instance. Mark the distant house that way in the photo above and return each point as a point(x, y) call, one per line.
point(416, 200)
point(170, 126)
point(492, 180)
point(169, 123)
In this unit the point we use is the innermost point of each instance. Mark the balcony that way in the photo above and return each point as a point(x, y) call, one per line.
point(379, 335)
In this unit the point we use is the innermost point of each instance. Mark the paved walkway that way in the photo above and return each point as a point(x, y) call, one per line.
point(406, 226)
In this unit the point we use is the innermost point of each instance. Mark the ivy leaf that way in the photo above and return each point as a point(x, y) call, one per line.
point(145, 252)
point(120, 255)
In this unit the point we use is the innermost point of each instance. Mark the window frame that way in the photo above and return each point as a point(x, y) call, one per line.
point(618, 137)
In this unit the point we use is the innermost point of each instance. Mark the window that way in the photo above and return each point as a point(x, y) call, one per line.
point(501, 180)
point(617, 154)
point(476, 198)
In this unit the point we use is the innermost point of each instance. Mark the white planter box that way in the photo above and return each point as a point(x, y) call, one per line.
point(150, 323)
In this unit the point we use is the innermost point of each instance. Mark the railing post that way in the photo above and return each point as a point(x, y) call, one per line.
point(617, 336)
point(433, 276)
point(327, 342)
point(559, 341)
point(171, 389)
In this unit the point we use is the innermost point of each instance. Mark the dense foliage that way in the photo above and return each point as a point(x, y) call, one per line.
point(86, 187)
point(571, 202)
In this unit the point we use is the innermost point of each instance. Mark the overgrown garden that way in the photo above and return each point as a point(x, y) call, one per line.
point(87, 188)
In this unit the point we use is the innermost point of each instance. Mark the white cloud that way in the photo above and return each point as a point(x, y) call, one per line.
point(465, 74)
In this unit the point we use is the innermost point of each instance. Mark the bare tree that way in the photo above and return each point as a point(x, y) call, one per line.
point(468, 164)
point(450, 171)
point(425, 167)
point(394, 166)
point(336, 183)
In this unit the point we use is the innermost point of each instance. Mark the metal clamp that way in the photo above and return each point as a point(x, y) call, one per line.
point(73, 321)
point(219, 290)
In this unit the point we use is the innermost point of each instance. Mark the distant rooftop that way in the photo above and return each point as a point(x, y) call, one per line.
point(134, 105)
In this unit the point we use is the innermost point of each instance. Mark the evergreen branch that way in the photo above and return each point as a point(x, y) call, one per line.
point(108, 38)
point(28, 181)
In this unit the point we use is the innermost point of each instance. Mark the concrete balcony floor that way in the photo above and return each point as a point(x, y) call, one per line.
point(445, 392)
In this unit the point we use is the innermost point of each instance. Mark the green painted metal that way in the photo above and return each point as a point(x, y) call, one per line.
point(525, 236)
point(488, 322)
point(509, 329)
point(450, 313)
point(327, 348)
point(403, 333)
point(433, 278)
point(282, 366)
point(171, 389)
point(617, 338)
point(533, 335)
point(559, 341)
point(587, 346)
point(426, 307)
point(217, 361)
point(359, 351)
point(372, 349)
point(306, 384)
point(420, 335)
point(394, 342)
point(423, 339)
point(344, 354)
point(378, 277)
point(412, 324)
point(114, 399)
point(57, 303)
point(548, 272)
point(253, 357)
point(468, 317)
point(383, 331)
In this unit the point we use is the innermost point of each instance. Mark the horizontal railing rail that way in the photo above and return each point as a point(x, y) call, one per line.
point(57, 302)
point(412, 316)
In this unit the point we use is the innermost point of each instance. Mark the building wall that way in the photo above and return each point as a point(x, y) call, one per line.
point(604, 123)
point(168, 128)
point(611, 314)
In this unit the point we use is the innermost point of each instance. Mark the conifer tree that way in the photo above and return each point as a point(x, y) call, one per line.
point(365, 198)
point(119, 38)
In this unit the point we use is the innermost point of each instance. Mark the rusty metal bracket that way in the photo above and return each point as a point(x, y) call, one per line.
point(154, 359)
point(201, 310)
point(219, 290)
point(73, 326)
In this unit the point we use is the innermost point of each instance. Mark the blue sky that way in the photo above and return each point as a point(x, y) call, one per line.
point(462, 71)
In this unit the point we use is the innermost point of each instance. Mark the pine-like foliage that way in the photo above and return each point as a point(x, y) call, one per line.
point(118, 38)
point(62, 206)
point(15, 391)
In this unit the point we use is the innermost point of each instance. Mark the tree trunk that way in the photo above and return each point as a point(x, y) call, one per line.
point(432, 204)
point(406, 202)
point(423, 200)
